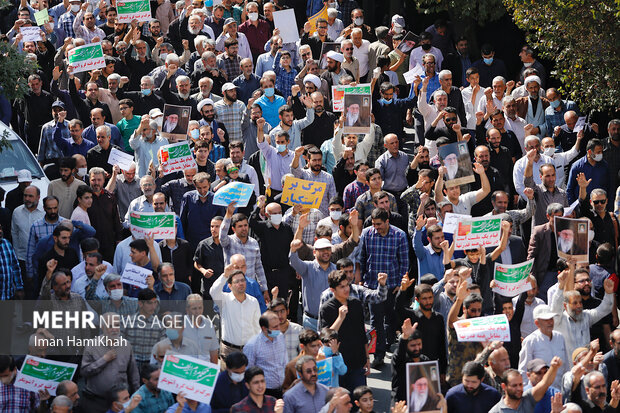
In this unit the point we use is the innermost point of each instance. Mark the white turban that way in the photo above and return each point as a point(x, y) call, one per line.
point(204, 102)
point(532, 78)
point(314, 79)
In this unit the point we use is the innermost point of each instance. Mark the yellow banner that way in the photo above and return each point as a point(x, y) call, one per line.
point(321, 14)
point(299, 191)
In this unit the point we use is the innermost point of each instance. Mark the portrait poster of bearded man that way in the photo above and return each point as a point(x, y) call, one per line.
point(423, 388)
point(572, 238)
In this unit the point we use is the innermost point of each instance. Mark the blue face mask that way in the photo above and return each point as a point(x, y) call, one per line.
point(328, 351)
point(195, 133)
point(172, 334)
point(269, 92)
point(274, 333)
point(385, 101)
point(488, 60)
point(146, 92)
point(554, 104)
point(281, 147)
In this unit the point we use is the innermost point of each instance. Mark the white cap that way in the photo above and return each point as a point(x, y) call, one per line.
point(314, 79)
point(322, 243)
point(228, 86)
point(532, 78)
point(543, 312)
point(335, 56)
point(153, 113)
point(24, 175)
point(204, 102)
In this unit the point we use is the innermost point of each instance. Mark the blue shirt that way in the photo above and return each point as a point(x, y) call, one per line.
point(10, 273)
point(544, 405)
point(264, 63)
point(313, 282)
point(298, 399)
point(67, 145)
point(270, 109)
point(433, 85)
point(246, 86)
point(599, 173)
point(150, 403)
point(90, 133)
point(201, 408)
point(388, 254)
point(555, 118)
point(460, 402)
point(429, 261)
point(193, 211)
point(252, 288)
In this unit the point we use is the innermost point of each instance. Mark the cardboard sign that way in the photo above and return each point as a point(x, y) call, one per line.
point(176, 157)
point(489, 328)
point(31, 34)
point(423, 386)
point(43, 374)
point(159, 225)
point(285, 21)
point(130, 10)
point(476, 232)
point(85, 58)
point(451, 221)
point(459, 169)
point(134, 275)
point(299, 191)
point(194, 377)
point(511, 280)
point(312, 19)
point(234, 191)
point(326, 371)
point(41, 17)
point(120, 158)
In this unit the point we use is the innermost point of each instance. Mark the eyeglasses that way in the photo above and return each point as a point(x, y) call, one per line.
point(348, 48)
point(599, 201)
point(312, 370)
point(450, 119)
point(124, 108)
point(587, 280)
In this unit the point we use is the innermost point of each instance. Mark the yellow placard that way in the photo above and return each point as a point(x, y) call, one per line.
point(321, 14)
point(299, 191)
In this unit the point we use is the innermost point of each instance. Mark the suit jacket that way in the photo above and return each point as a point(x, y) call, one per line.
point(517, 251)
point(540, 249)
point(613, 366)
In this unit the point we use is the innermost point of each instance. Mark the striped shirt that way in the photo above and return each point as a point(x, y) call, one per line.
point(10, 274)
point(233, 117)
point(269, 355)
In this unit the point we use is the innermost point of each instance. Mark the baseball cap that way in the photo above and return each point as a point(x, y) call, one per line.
point(229, 20)
point(534, 366)
point(228, 86)
point(58, 104)
point(24, 175)
point(322, 243)
point(153, 113)
point(543, 312)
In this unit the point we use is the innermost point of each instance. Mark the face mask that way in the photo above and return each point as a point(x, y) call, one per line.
point(116, 294)
point(328, 351)
point(75, 8)
point(160, 121)
point(236, 377)
point(195, 133)
point(528, 64)
point(269, 92)
point(335, 215)
point(172, 334)
point(397, 29)
point(333, 5)
point(281, 147)
point(426, 47)
point(253, 16)
point(126, 404)
point(274, 333)
point(275, 219)
point(385, 101)
point(146, 92)
point(549, 151)
point(598, 157)
point(590, 235)
point(51, 24)
point(81, 172)
point(554, 104)
point(359, 21)
point(162, 56)
point(488, 60)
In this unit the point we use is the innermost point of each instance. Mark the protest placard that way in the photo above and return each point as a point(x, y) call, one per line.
point(569, 209)
point(176, 157)
point(571, 238)
point(159, 225)
point(85, 58)
point(423, 386)
point(176, 122)
point(299, 191)
point(134, 275)
point(41, 17)
point(194, 377)
point(357, 108)
point(120, 158)
point(321, 14)
point(31, 34)
point(409, 42)
point(451, 221)
point(285, 21)
point(489, 328)
point(459, 170)
point(326, 371)
point(511, 280)
point(234, 191)
point(411, 75)
point(43, 374)
point(475, 232)
point(581, 123)
point(131, 10)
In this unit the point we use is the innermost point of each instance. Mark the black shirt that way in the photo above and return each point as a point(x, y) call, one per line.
point(274, 242)
point(97, 156)
point(36, 108)
point(181, 258)
point(320, 130)
point(209, 255)
point(497, 184)
point(69, 260)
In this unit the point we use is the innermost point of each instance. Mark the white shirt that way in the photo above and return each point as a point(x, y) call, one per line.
point(239, 319)
point(121, 255)
point(79, 286)
point(20, 228)
point(429, 112)
point(518, 127)
point(560, 160)
point(333, 31)
point(361, 54)
point(466, 201)
point(361, 150)
point(418, 53)
point(244, 46)
point(482, 104)
point(327, 222)
point(470, 109)
point(518, 173)
point(251, 173)
point(539, 346)
point(527, 323)
point(204, 336)
point(79, 271)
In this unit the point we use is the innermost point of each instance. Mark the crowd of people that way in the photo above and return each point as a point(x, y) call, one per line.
point(369, 277)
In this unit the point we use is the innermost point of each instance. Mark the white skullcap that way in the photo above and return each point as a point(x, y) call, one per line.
point(335, 56)
point(314, 79)
point(204, 102)
point(532, 78)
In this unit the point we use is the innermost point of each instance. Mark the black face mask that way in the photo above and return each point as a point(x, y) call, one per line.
point(427, 47)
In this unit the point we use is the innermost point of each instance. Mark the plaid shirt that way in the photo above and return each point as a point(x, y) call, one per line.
point(66, 24)
point(229, 65)
point(352, 192)
point(82, 32)
point(387, 254)
point(233, 117)
point(247, 405)
point(217, 153)
point(308, 175)
point(270, 355)
point(232, 245)
point(10, 274)
point(308, 233)
point(284, 80)
point(292, 339)
point(17, 400)
point(143, 339)
point(39, 230)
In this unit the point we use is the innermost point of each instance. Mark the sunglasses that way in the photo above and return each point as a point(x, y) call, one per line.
point(599, 201)
point(450, 119)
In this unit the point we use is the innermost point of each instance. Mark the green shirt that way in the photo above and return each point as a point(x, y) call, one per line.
point(127, 127)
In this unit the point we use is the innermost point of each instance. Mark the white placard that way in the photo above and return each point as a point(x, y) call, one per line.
point(43, 374)
point(451, 221)
point(134, 275)
point(285, 21)
point(120, 158)
point(489, 328)
point(31, 34)
point(581, 123)
point(569, 210)
point(411, 75)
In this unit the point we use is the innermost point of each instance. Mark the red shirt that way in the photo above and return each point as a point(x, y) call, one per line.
point(257, 36)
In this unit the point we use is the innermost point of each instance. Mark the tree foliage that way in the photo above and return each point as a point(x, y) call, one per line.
point(480, 11)
point(582, 37)
point(14, 71)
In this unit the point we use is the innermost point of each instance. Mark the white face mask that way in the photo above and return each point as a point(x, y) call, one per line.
point(275, 219)
point(253, 16)
point(116, 294)
point(359, 21)
point(549, 151)
point(75, 8)
point(397, 29)
point(162, 56)
point(590, 235)
point(598, 157)
point(236, 377)
point(528, 64)
point(82, 172)
point(335, 215)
